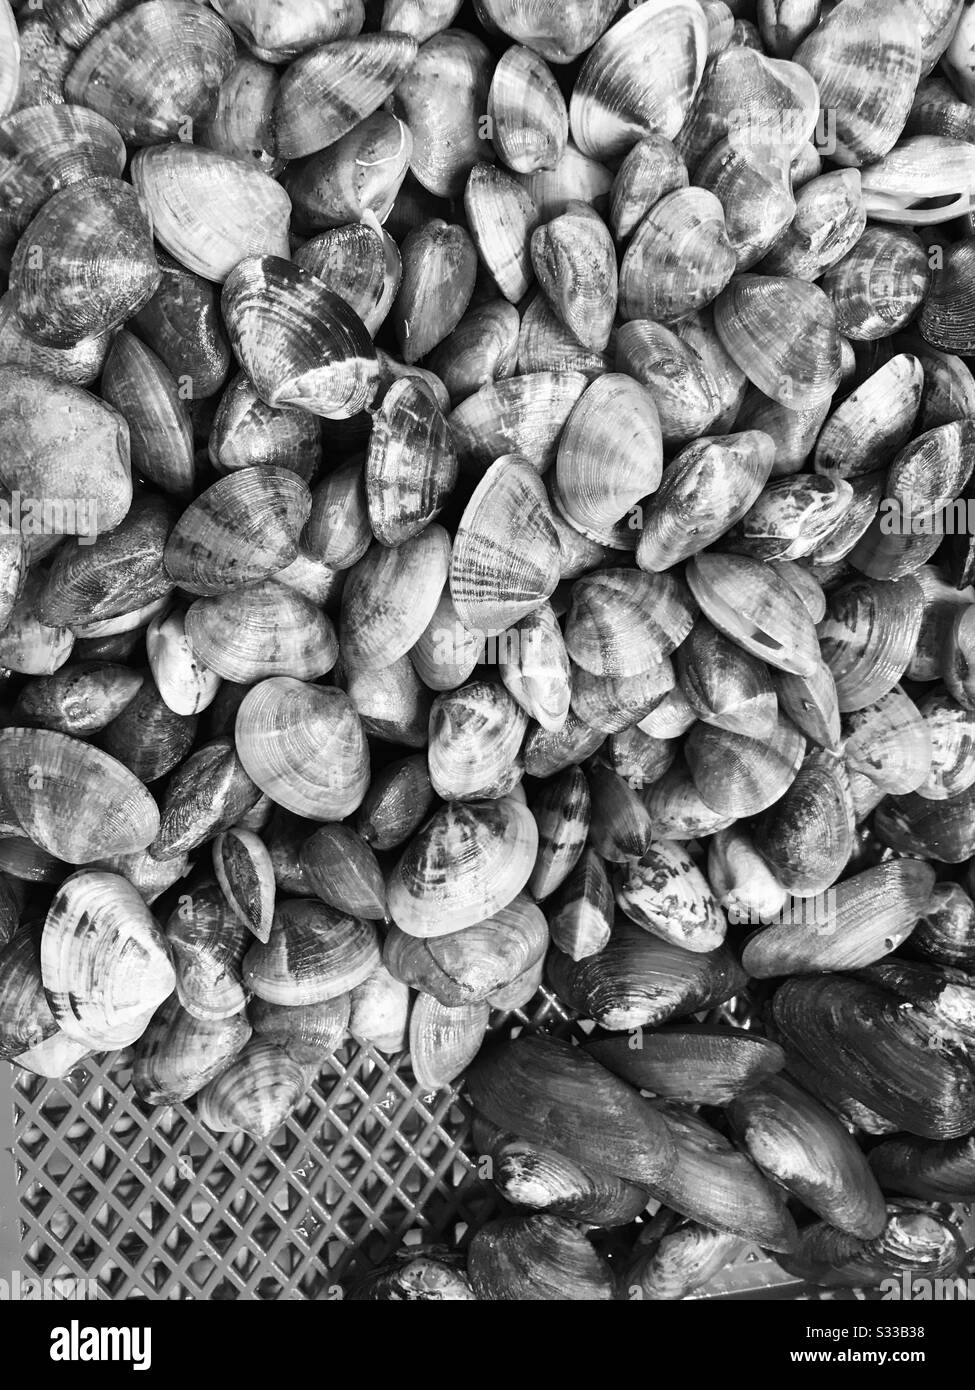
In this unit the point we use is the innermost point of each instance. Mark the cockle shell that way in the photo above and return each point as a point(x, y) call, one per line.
point(470, 860)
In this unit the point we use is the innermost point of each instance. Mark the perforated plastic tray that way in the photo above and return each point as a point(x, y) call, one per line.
point(148, 1203)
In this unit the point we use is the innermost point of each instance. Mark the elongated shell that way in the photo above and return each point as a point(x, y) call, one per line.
point(681, 1261)
point(639, 980)
point(691, 1064)
point(443, 1041)
point(916, 1243)
point(304, 747)
point(537, 1258)
point(299, 343)
point(73, 800)
point(639, 78)
point(591, 1117)
point(797, 1142)
point(468, 861)
point(104, 960)
point(934, 1170)
point(860, 1041)
point(255, 1094)
point(209, 210)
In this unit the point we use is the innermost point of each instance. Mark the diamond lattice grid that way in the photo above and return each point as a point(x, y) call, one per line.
point(152, 1205)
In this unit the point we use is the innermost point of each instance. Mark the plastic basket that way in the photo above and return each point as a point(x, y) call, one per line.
point(147, 1203)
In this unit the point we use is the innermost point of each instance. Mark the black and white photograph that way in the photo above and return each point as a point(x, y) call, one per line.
point(487, 669)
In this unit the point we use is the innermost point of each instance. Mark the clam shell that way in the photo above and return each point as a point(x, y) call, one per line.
point(263, 630)
point(475, 735)
point(247, 433)
point(436, 1275)
point(592, 1117)
point(638, 980)
point(558, 32)
point(650, 171)
point(26, 1020)
point(314, 953)
point(622, 622)
point(326, 92)
point(443, 1041)
point(439, 265)
point(793, 432)
point(575, 261)
point(889, 742)
point(502, 219)
point(482, 348)
point(667, 895)
point(580, 914)
point(142, 389)
point(79, 365)
point(738, 775)
point(359, 263)
point(470, 966)
point(752, 181)
point(868, 635)
point(724, 685)
point(208, 942)
point(704, 491)
point(84, 264)
point(360, 173)
point(879, 285)
point(690, 1063)
point(575, 177)
point(10, 63)
point(870, 98)
point(380, 1011)
point(620, 828)
point(411, 466)
point(957, 654)
point(209, 793)
point(946, 932)
point(741, 880)
point(561, 809)
point(211, 211)
point(392, 703)
point(530, 122)
point(793, 515)
point(505, 559)
point(338, 531)
point(445, 653)
point(951, 730)
point(536, 1259)
point(682, 1261)
point(304, 746)
point(798, 366)
point(390, 596)
point(677, 809)
point(343, 871)
point(241, 530)
point(639, 78)
point(797, 1142)
point(104, 961)
point(74, 801)
point(521, 415)
point(873, 422)
point(941, 830)
point(240, 120)
point(612, 704)
point(757, 609)
point(640, 757)
point(534, 667)
point(546, 752)
point(442, 99)
point(185, 684)
point(945, 320)
point(679, 258)
point(467, 862)
point(685, 392)
point(276, 33)
point(308, 1033)
point(147, 737)
point(151, 70)
point(245, 873)
point(255, 1094)
point(79, 699)
point(299, 343)
point(829, 220)
point(399, 799)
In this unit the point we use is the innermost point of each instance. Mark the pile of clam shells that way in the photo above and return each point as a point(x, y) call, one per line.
point(488, 500)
